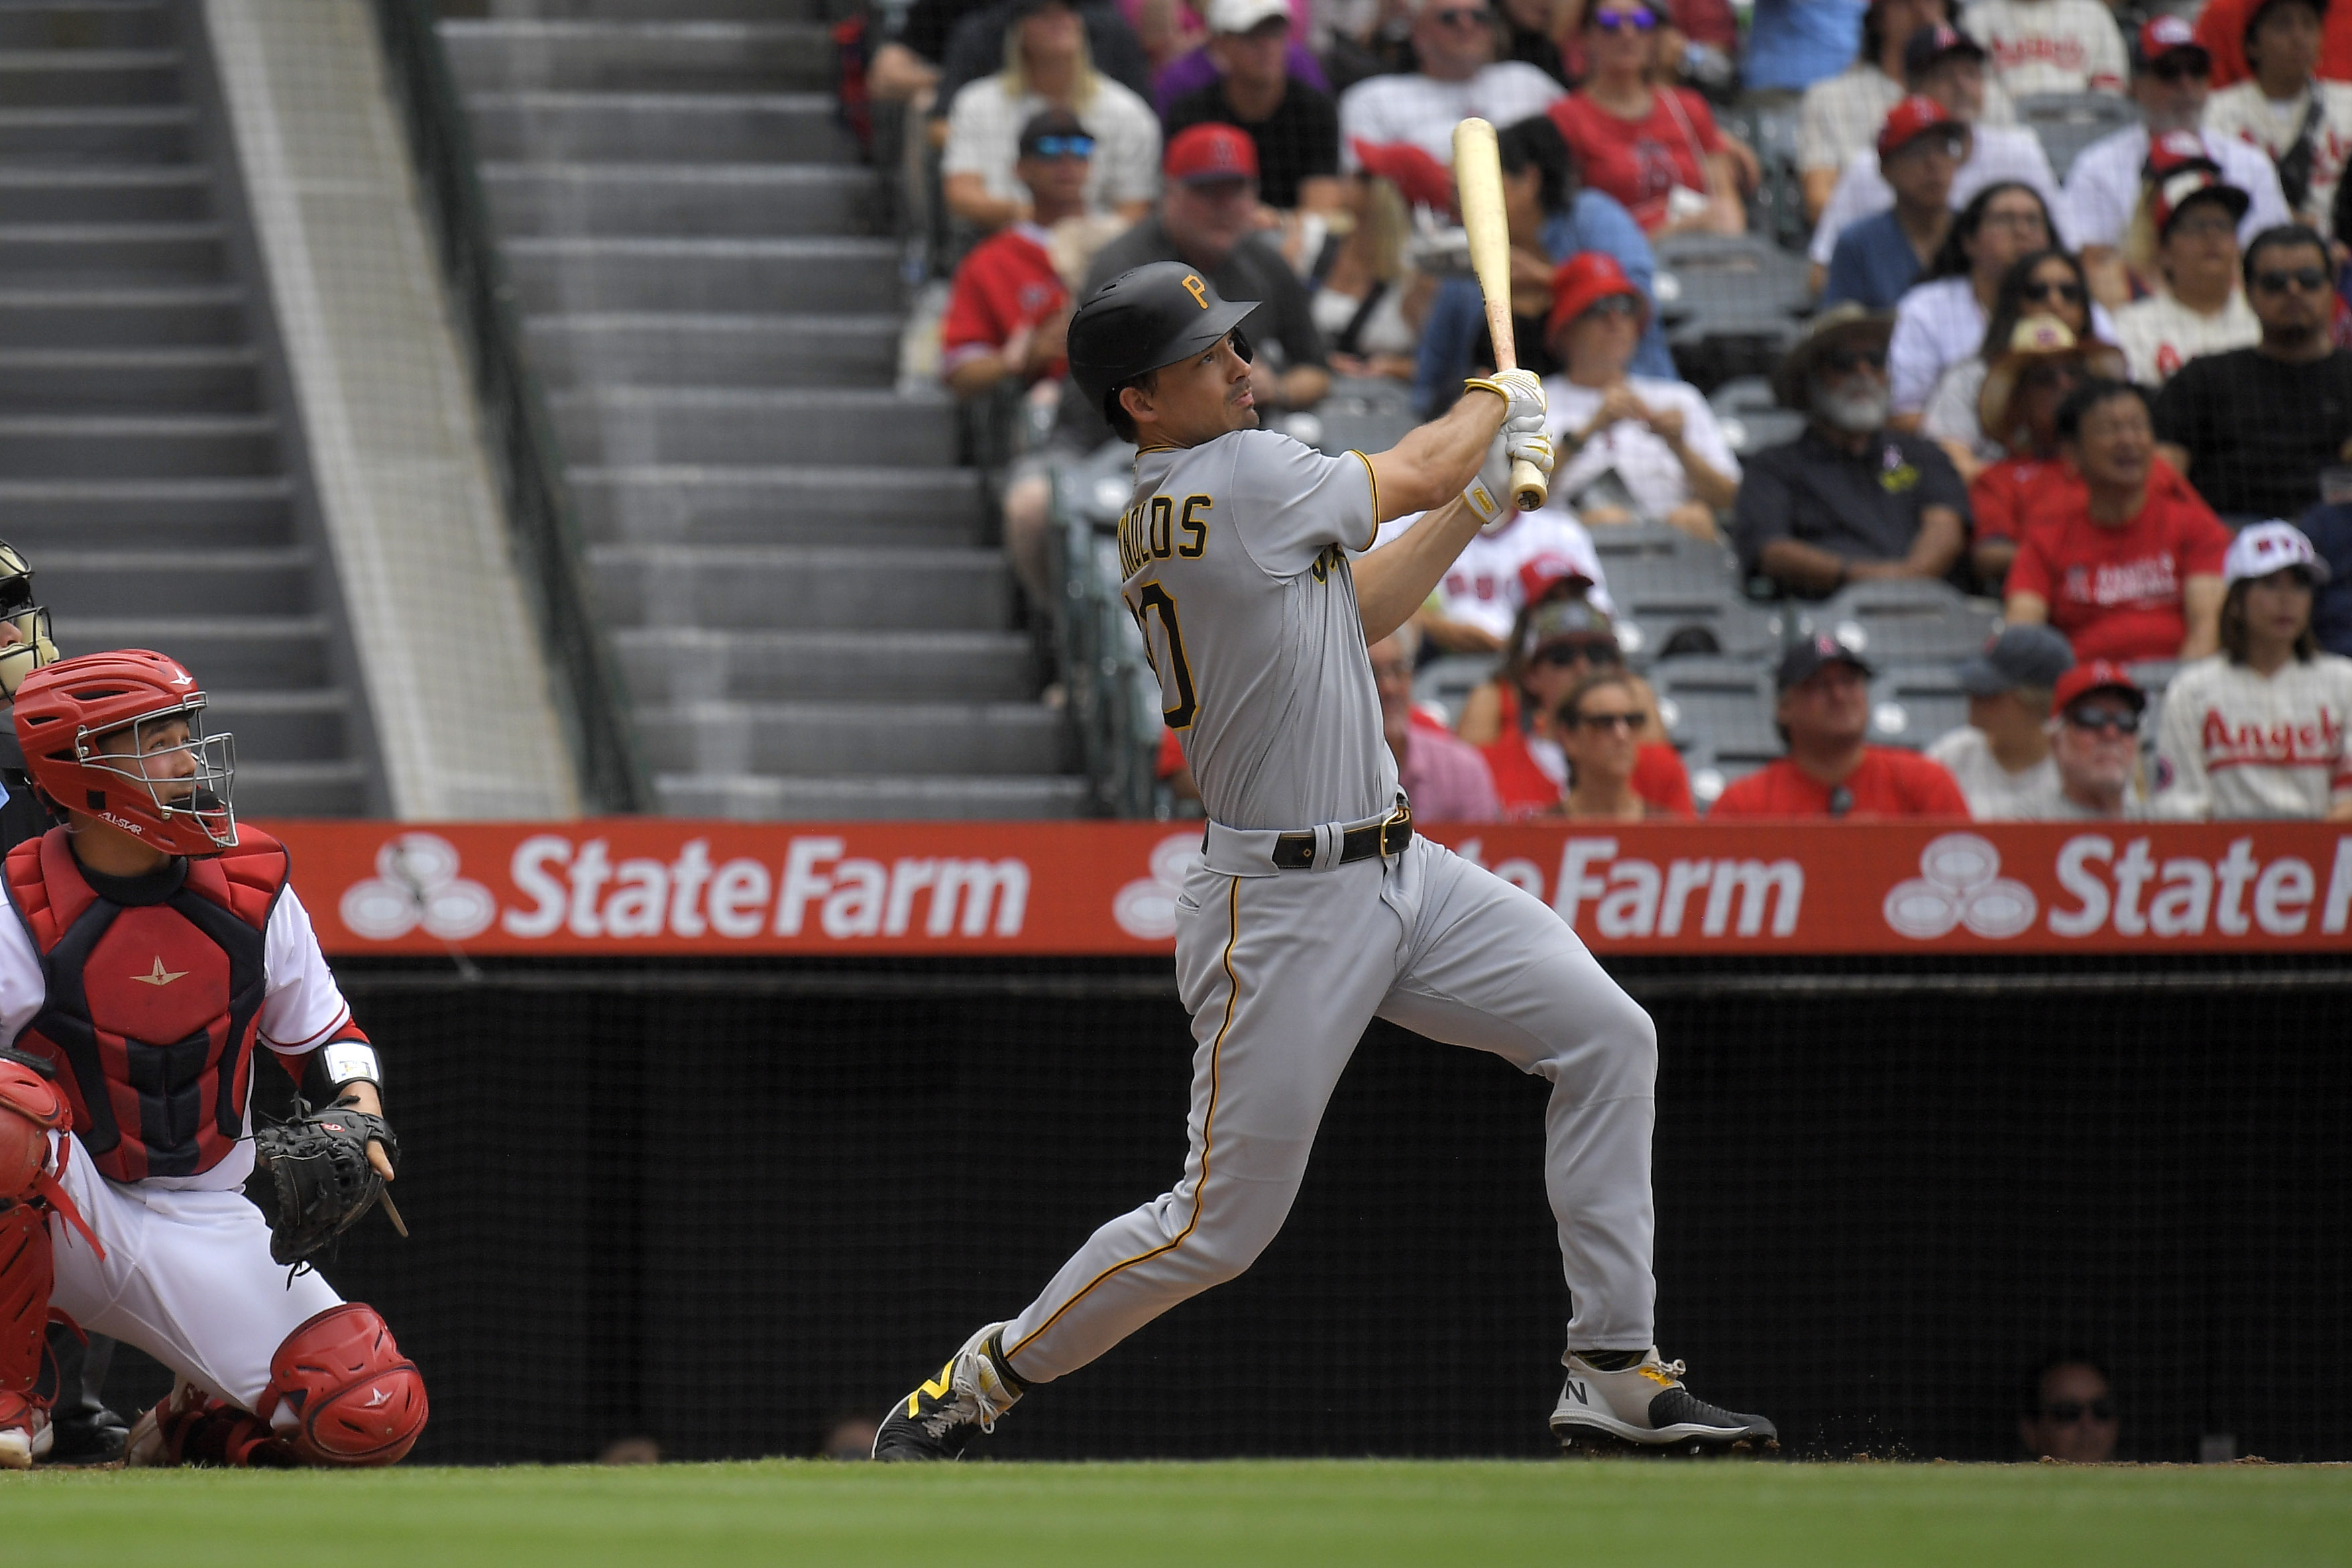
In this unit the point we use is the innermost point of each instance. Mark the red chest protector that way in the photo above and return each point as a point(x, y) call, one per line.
point(154, 997)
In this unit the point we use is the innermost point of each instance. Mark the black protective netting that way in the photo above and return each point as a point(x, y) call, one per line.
point(725, 1210)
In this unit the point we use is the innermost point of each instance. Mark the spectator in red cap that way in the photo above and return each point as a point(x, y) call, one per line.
point(2134, 573)
point(2259, 729)
point(2302, 122)
point(2184, 240)
point(1046, 66)
point(1520, 559)
point(1920, 148)
point(2095, 745)
point(2049, 46)
point(1823, 713)
point(1370, 301)
point(1557, 643)
point(1293, 125)
point(1454, 44)
point(1630, 447)
point(1842, 114)
point(1207, 217)
point(2171, 77)
point(1602, 726)
point(1656, 148)
point(1445, 777)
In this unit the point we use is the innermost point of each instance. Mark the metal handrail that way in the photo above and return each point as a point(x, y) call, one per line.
point(590, 698)
point(1113, 696)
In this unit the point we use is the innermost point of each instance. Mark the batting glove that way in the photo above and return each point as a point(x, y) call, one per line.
point(1526, 441)
point(1521, 391)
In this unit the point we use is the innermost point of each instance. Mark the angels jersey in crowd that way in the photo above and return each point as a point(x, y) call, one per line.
point(1235, 562)
point(1484, 587)
point(2159, 334)
point(2050, 45)
point(2237, 744)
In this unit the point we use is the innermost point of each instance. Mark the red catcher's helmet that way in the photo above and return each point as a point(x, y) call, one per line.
point(171, 794)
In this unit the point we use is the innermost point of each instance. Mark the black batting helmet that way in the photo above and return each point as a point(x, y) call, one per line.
point(1145, 318)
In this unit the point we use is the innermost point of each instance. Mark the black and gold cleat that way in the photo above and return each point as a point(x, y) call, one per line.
point(941, 1419)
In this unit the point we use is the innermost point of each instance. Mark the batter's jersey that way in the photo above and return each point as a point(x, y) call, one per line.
point(1234, 556)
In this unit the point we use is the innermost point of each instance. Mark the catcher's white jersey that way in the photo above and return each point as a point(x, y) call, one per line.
point(1235, 561)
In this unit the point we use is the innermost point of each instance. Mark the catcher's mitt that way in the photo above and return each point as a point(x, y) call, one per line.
point(318, 1162)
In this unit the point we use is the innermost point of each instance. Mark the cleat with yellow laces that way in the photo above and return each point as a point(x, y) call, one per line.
point(1645, 1408)
point(940, 1419)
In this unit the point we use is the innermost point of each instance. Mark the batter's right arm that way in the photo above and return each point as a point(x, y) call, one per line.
point(1430, 464)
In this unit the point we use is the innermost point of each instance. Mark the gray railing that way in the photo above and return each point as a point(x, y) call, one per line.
point(1114, 699)
point(591, 702)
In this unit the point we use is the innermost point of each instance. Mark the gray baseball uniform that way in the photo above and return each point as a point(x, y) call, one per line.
point(1236, 557)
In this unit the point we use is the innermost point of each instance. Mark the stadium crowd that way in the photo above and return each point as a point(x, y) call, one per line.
point(2070, 343)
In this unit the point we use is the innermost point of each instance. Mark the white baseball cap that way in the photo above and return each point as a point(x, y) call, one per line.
point(2267, 547)
point(1243, 16)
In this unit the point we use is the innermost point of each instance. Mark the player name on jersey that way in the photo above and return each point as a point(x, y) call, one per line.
point(654, 887)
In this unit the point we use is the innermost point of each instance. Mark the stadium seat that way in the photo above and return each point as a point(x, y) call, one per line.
point(1751, 417)
point(1729, 303)
point(1720, 707)
point(1913, 704)
point(1905, 620)
point(1713, 769)
point(2066, 122)
point(1650, 555)
point(1445, 683)
point(1366, 414)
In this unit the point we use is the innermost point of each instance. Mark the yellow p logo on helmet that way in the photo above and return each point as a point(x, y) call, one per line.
point(1198, 290)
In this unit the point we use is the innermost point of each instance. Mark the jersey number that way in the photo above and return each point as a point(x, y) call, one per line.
point(1149, 597)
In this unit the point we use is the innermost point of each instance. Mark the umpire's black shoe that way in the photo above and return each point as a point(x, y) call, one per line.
point(938, 1420)
point(89, 1437)
point(1646, 1406)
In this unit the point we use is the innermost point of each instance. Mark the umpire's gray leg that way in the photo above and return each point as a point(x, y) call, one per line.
point(1489, 966)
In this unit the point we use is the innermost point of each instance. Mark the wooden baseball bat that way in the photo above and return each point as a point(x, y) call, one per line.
point(1479, 180)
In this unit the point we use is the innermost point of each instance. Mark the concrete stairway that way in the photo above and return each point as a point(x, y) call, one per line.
point(810, 621)
point(139, 463)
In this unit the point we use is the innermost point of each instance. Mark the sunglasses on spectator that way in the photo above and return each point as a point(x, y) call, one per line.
point(1630, 722)
point(2042, 288)
point(2310, 280)
point(2066, 1412)
point(1845, 362)
point(1614, 305)
point(1609, 19)
point(2122, 721)
point(1462, 17)
point(1062, 147)
point(2174, 72)
point(1589, 651)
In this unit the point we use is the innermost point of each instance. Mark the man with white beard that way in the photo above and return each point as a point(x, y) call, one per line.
point(1849, 499)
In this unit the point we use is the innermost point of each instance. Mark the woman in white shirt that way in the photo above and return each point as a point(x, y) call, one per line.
point(2043, 283)
point(1657, 439)
point(1941, 319)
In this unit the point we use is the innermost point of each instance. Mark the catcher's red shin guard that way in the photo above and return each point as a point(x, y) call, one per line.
point(30, 1110)
point(356, 1399)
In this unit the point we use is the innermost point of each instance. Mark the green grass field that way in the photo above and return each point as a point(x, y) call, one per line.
point(1604, 1515)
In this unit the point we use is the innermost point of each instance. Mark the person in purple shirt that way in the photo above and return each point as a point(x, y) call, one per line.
point(1198, 67)
point(1445, 778)
point(1294, 123)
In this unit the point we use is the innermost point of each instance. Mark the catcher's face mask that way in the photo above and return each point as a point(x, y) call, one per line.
point(188, 775)
point(24, 645)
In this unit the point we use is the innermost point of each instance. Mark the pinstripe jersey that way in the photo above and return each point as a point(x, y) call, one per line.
point(1234, 563)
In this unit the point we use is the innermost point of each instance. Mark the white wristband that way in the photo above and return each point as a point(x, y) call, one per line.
point(350, 1061)
point(1484, 501)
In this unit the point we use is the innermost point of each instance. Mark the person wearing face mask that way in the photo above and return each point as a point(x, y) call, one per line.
point(2171, 78)
point(1849, 498)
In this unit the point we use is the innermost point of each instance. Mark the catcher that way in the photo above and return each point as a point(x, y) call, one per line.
point(153, 946)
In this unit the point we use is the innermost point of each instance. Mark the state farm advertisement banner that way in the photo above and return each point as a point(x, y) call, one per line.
point(649, 885)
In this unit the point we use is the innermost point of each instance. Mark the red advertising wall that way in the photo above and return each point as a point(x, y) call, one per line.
point(648, 885)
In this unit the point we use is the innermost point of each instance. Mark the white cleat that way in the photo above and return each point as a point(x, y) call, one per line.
point(144, 1449)
point(1647, 1407)
point(24, 1434)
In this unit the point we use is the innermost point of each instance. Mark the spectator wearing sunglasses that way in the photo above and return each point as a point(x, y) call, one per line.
point(2042, 286)
point(1823, 712)
point(2000, 757)
point(1849, 498)
point(1047, 65)
point(1947, 65)
point(2070, 1413)
point(1654, 149)
point(2259, 730)
point(1293, 125)
point(1919, 149)
point(1459, 77)
point(2302, 123)
point(2095, 746)
point(1602, 724)
point(2185, 238)
point(2170, 80)
point(2135, 572)
point(2049, 46)
point(1558, 643)
point(1445, 777)
point(1631, 447)
point(2252, 427)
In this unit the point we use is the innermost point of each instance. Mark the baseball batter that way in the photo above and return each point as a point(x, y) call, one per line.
point(152, 951)
point(1313, 906)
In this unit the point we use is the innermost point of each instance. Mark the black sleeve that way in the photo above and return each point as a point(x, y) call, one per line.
point(1318, 133)
point(2177, 402)
point(1195, 108)
point(1939, 483)
point(1293, 318)
point(925, 27)
point(1118, 52)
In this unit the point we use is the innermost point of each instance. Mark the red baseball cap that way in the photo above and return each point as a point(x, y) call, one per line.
point(1204, 155)
point(1424, 182)
point(2178, 149)
point(1582, 282)
point(1910, 120)
point(2098, 675)
point(1547, 569)
point(2169, 35)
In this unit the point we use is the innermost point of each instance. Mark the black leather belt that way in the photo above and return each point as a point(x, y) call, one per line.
point(1295, 852)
